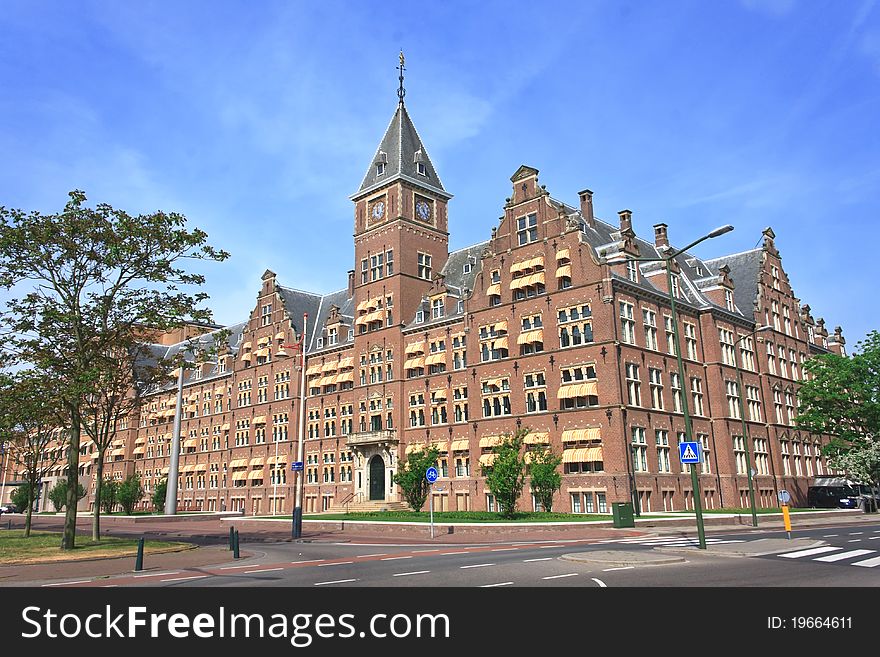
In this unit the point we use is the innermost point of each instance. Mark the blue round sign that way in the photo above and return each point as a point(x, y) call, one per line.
point(431, 474)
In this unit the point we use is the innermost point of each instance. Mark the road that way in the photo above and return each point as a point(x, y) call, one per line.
point(849, 559)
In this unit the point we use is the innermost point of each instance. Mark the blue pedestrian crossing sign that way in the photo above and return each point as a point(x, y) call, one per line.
point(689, 452)
point(431, 474)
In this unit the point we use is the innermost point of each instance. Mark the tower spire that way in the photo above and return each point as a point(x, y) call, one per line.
point(401, 92)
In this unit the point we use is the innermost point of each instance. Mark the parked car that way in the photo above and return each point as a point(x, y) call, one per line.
point(836, 492)
point(9, 508)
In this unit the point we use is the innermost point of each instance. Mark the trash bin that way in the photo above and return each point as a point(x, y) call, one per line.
point(622, 513)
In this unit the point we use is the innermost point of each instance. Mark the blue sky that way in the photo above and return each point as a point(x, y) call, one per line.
point(258, 120)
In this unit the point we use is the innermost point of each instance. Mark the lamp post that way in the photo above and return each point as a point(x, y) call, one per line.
point(173, 466)
point(296, 530)
point(688, 430)
point(742, 414)
point(4, 450)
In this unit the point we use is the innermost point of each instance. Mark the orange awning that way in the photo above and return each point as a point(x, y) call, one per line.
point(576, 435)
point(435, 358)
point(563, 254)
point(564, 270)
point(537, 438)
point(578, 390)
point(582, 455)
point(536, 335)
point(414, 348)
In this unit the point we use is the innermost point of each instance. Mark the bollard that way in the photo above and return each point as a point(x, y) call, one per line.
point(231, 536)
point(235, 546)
point(139, 562)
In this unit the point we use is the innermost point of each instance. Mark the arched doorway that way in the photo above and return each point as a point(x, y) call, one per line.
point(377, 478)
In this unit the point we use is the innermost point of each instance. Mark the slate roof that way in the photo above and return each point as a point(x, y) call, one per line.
point(745, 270)
point(401, 149)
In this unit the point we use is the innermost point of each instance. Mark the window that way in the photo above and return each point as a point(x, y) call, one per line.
point(670, 335)
point(774, 272)
point(493, 342)
point(639, 450)
point(632, 270)
point(380, 168)
point(575, 326)
point(655, 378)
point(633, 385)
point(728, 353)
point(786, 458)
point(789, 407)
point(460, 404)
point(798, 467)
point(421, 168)
point(627, 323)
point(536, 392)
point(661, 437)
point(690, 339)
point(762, 457)
point(496, 397)
point(728, 300)
point(572, 393)
point(753, 395)
point(266, 315)
point(389, 262)
point(675, 385)
point(459, 352)
point(771, 358)
point(777, 405)
point(438, 308)
point(424, 261)
point(739, 451)
point(786, 320)
point(675, 286)
point(747, 353)
point(697, 393)
point(794, 366)
point(649, 318)
point(774, 305)
point(527, 229)
point(732, 399)
point(783, 370)
point(377, 266)
point(531, 337)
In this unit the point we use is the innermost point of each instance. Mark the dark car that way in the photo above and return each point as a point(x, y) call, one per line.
point(9, 508)
point(850, 496)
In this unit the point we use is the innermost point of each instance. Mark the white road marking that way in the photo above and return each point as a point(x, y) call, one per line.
point(446, 554)
point(478, 565)
point(547, 547)
point(558, 576)
point(172, 572)
point(486, 586)
point(415, 572)
point(250, 565)
point(873, 538)
point(868, 563)
point(110, 586)
point(600, 582)
point(854, 540)
point(180, 579)
point(843, 555)
point(81, 581)
point(336, 563)
point(364, 556)
point(394, 558)
point(855, 533)
point(335, 581)
point(263, 570)
point(808, 553)
point(608, 570)
point(431, 550)
point(503, 549)
point(544, 559)
point(830, 535)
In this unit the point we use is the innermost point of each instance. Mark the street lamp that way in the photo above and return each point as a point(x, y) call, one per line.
point(296, 531)
point(174, 464)
point(688, 431)
point(742, 414)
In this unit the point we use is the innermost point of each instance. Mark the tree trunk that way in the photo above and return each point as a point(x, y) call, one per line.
point(68, 540)
point(99, 482)
point(28, 515)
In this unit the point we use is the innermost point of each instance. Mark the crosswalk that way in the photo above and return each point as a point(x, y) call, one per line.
point(834, 554)
point(669, 541)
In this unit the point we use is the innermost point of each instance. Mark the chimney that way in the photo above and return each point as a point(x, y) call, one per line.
point(626, 220)
point(661, 239)
point(350, 283)
point(587, 207)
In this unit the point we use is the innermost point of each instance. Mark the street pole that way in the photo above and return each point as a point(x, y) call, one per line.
point(745, 429)
point(5, 450)
point(275, 473)
point(173, 466)
point(297, 510)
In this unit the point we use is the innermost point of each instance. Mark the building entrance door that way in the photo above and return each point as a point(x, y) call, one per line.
point(377, 478)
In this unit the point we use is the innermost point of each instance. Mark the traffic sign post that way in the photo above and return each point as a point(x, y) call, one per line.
point(296, 466)
point(431, 475)
point(785, 497)
point(690, 452)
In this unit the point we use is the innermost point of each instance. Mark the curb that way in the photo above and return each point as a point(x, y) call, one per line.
point(717, 552)
point(622, 559)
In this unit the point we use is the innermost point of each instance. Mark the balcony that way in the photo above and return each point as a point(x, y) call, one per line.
point(373, 437)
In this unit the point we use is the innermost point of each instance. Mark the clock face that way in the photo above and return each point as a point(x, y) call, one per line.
point(378, 210)
point(423, 210)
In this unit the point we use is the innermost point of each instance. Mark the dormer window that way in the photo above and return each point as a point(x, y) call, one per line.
point(420, 316)
point(332, 335)
point(421, 168)
point(380, 168)
point(632, 271)
point(728, 299)
point(467, 268)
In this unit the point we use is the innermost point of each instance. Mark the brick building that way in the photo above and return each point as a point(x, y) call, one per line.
point(546, 325)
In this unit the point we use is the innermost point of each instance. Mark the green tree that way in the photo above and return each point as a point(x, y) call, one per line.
point(505, 476)
point(545, 477)
point(100, 280)
point(27, 423)
point(130, 493)
point(22, 497)
point(841, 397)
point(410, 476)
point(158, 497)
point(108, 497)
point(58, 494)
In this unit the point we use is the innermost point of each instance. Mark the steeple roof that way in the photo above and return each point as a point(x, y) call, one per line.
point(401, 151)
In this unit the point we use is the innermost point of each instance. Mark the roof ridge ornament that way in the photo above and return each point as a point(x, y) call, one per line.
point(401, 92)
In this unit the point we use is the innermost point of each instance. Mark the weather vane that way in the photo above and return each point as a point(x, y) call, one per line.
point(401, 92)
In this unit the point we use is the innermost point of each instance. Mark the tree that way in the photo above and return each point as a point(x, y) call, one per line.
point(58, 494)
point(841, 397)
point(545, 477)
point(27, 426)
point(505, 476)
point(108, 497)
point(22, 497)
point(410, 476)
point(130, 493)
point(101, 279)
point(158, 497)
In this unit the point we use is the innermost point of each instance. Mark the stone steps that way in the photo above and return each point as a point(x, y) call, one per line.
point(368, 506)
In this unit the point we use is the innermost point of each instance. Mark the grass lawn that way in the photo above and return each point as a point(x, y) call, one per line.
point(43, 547)
point(459, 516)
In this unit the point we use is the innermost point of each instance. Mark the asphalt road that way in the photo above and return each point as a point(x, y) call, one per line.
point(851, 558)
